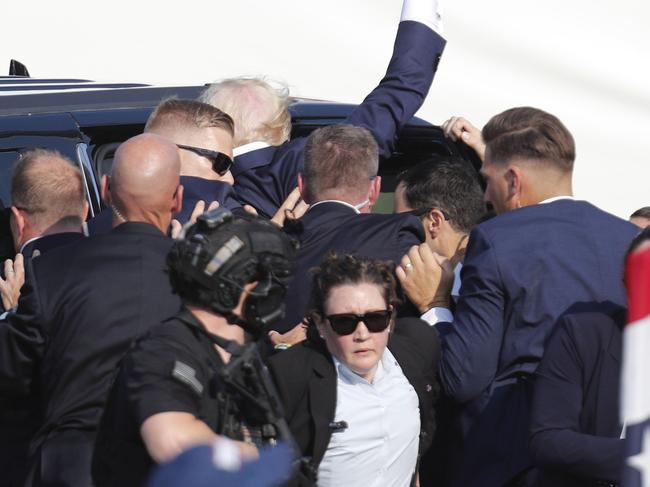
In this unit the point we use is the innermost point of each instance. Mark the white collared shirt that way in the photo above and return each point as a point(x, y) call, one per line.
point(251, 146)
point(426, 12)
point(437, 315)
point(379, 447)
point(22, 247)
point(335, 201)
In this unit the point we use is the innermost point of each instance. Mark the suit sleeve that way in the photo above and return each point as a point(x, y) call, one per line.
point(402, 91)
point(22, 340)
point(470, 349)
point(556, 442)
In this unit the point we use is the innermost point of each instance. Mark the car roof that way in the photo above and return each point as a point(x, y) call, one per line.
point(34, 96)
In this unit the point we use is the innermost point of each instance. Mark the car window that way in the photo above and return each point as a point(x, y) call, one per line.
point(7, 160)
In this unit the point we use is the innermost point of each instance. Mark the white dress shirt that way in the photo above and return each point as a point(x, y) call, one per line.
point(437, 315)
point(379, 446)
point(426, 12)
point(250, 147)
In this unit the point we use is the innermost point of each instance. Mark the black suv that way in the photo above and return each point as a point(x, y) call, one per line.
point(86, 121)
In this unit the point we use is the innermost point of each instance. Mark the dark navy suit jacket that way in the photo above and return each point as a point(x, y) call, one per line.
point(523, 270)
point(265, 177)
point(332, 226)
point(81, 307)
point(19, 418)
point(194, 189)
point(575, 429)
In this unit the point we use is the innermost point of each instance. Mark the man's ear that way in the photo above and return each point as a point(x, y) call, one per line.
point(302, 187)
point(84, 210)
point(433, 222)
point(177, 203)
point(105, 189)
point(17, 223)
point(514, 176)
point(375, 190)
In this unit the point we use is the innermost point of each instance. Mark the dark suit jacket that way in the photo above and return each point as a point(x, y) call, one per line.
point(522, 271)
point(194, 189)
point(337, 227)
point(306, 381)
point(81, 307)
point(19, 418)
point(49, 242)
point(265, 177)
point(575, 429)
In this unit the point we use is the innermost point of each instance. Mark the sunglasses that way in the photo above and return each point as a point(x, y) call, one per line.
point(221, 163)
point(346, 323)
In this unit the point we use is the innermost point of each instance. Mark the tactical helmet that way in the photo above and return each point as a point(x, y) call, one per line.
point(214, 259)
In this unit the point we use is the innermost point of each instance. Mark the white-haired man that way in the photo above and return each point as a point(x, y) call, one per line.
point(267, 164)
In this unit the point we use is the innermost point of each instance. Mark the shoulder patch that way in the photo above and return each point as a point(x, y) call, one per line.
point(187, 375)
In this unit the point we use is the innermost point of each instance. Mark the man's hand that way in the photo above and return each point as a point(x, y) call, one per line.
point(293, 207)
point(296, 335)
point(426, 278)
point(13, 281)
point(199, 208)
point(458, 128)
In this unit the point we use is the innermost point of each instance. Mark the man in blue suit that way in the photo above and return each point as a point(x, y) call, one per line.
point(203, 135)
point(340, 183)
point(267, 163)
point(543, 256)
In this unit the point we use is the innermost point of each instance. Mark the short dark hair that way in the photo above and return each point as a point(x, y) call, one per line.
point(188, 113)
point(529, 133)
point(48, 186)
point(640, 237)
point(340, 157)
point(641, 213)
point(342, 269)
point(448, 184)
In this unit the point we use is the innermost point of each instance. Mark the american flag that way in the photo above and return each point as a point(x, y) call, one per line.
point(635, 402)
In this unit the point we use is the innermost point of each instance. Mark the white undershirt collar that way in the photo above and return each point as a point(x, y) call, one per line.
point(250, 147)
point(356, 210)
point(556, 198)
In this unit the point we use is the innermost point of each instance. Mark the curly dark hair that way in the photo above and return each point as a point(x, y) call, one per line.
point(341, 269)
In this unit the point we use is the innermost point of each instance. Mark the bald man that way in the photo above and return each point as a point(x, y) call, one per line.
point(84, 304)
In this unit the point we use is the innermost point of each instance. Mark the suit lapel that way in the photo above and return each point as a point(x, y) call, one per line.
point(322, 404)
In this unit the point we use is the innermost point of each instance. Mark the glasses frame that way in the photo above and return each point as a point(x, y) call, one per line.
point(221, 163)
point(348, 329)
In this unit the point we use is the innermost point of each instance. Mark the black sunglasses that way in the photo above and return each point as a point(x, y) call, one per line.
point(221, 163)
point(346, 323)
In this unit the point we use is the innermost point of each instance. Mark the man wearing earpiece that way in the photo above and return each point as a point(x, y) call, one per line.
point(170, 393)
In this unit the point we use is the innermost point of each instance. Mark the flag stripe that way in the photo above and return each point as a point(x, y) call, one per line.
point(637, 274)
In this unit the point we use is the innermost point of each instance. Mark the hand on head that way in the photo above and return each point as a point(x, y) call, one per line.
point(14, 278)
point(457, 128)
point(426, 278)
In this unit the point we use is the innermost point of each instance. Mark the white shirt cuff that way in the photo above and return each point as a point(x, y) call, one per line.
point(426, 12)
point(437, 315)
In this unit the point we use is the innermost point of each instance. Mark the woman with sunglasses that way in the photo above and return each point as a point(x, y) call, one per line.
point(358, 397)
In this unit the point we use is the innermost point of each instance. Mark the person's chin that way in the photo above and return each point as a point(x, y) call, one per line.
point(364, 360)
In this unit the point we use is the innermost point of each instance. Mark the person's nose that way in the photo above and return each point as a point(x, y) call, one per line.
point(361, 332)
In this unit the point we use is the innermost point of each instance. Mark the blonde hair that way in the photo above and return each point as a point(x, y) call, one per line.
point(173, 112)
point(48, 186)
point(260, 110)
